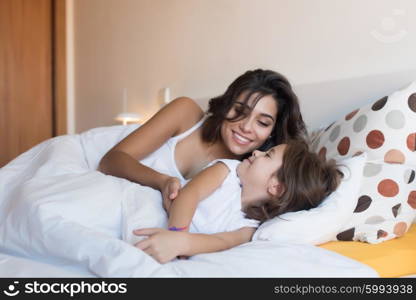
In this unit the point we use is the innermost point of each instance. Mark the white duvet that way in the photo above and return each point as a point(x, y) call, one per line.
point(61, 217)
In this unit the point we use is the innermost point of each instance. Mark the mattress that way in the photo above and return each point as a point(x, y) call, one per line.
point(393, 258)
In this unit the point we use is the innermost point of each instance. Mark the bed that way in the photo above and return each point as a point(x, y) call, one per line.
point(60, 217)
point(48, 230)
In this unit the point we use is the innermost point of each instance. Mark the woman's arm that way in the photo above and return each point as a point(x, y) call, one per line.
point(200, 187)
point(122, 159)
point(164, 245)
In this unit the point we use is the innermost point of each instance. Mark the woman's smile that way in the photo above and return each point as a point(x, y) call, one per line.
point(240, 139)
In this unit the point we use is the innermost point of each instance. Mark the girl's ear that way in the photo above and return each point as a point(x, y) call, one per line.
point(274, 187)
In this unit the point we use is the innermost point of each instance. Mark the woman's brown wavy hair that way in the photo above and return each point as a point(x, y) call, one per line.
point(307, 178)
point(289, 123)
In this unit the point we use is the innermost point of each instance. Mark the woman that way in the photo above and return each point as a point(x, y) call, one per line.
point(257, 111)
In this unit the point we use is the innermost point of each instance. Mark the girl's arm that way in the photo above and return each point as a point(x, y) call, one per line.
point(204, 243)
point(122, 159)
point(200, 187)
point(164, 245)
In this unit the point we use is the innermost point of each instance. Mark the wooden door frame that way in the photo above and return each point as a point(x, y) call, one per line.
point(59, 68)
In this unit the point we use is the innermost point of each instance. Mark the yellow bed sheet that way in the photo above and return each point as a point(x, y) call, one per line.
point(393, 258)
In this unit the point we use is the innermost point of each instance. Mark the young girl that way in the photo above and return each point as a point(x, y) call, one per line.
point(222, 206)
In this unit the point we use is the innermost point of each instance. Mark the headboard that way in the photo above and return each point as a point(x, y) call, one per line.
point(323, 102)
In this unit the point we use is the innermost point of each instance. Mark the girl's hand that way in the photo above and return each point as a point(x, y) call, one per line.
point(163, 245)
point(170, 190)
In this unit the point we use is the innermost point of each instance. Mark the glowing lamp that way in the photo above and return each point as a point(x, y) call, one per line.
point(127, 117)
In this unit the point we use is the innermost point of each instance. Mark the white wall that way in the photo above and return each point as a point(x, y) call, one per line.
point(198, 47)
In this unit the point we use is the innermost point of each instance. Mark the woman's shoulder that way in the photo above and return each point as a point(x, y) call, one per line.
point(188, 110)
point(188, 104)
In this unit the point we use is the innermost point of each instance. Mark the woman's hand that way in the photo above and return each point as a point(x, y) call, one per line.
point(163, 245)
point(170, 190)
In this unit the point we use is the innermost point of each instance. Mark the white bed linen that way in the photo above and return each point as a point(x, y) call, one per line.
point(13, 266)
point(57, 211)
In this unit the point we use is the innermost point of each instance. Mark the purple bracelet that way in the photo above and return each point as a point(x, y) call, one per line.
point(173, 228)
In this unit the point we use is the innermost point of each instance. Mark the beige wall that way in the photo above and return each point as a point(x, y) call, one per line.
point(197, 47)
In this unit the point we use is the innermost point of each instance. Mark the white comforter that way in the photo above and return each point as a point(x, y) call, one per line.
point(58, 213)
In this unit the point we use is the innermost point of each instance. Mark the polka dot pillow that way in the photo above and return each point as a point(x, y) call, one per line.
point(386, 204)
point(385, 129)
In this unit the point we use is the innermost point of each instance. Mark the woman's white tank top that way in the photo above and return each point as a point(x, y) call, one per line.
point(163, 159)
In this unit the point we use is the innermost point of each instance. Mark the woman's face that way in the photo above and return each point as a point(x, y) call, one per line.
point(249, 133)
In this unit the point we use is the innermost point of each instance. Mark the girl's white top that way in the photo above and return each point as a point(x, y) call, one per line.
point(221, 211)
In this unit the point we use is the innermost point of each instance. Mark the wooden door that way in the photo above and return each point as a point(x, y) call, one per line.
point(26, 75)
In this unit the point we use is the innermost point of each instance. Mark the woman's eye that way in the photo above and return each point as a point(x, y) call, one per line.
point(264, 124)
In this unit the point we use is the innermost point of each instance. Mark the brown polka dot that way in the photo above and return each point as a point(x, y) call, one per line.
point(375, 139)
point(351, 115)
point(412, 102)
point(394, 156)
point(395, 209)
point(379, 104)
point(344, 145)
point(411, 200)
point(388, 188)
point(411, 142)
point(381, 234)
point(362, 204)
point(346, 235)
point(400, 229)
point(322, 153)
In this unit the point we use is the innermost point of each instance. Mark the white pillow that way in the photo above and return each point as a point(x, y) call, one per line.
point(320, 224)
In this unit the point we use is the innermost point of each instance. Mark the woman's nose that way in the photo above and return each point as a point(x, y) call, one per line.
point(246, 124)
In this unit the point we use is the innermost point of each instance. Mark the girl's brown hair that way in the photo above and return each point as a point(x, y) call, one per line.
point(289, 123)
point(307, 178)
